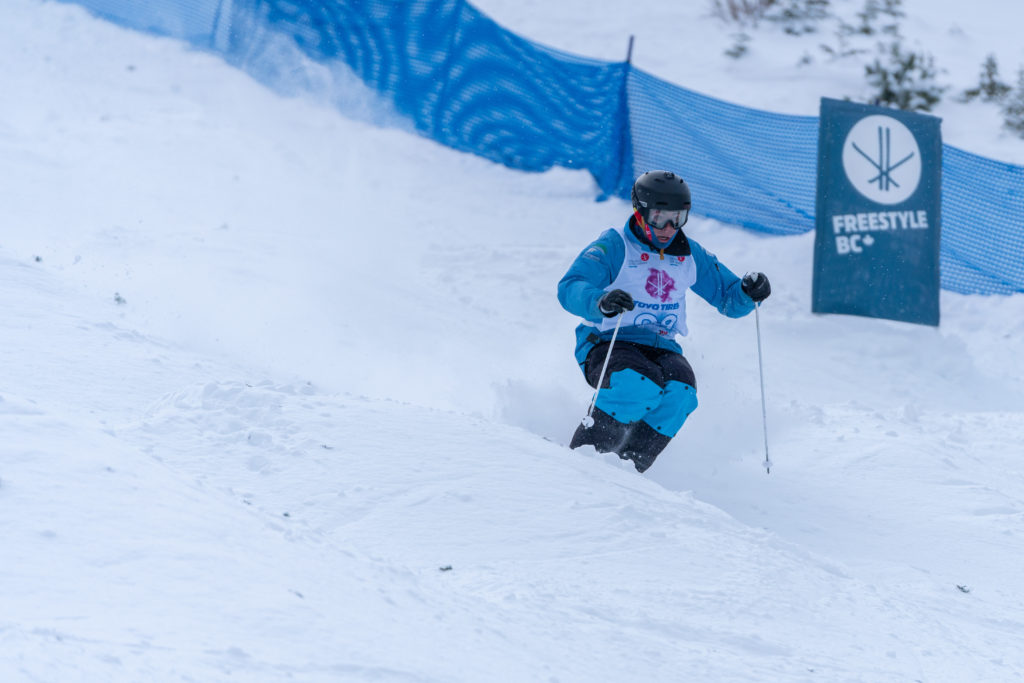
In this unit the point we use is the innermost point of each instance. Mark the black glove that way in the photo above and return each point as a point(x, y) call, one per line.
point(615, 302)
point(756, 286)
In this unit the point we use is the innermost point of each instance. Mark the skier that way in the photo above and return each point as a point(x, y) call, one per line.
point(641, 272)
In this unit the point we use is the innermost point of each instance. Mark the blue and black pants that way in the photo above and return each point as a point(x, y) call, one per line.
point(647, 393)
point(656, 386)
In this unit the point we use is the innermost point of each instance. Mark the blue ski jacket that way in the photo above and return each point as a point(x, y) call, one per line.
point(598, 266)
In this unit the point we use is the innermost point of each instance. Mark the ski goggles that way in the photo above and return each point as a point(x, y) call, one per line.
point(659, 218)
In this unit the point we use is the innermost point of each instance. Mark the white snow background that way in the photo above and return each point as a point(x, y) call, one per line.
point(283, 396)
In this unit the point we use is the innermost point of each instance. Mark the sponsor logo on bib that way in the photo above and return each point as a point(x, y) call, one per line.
point(660, 285)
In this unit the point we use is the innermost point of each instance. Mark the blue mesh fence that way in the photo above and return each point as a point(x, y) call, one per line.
point(744, 166)
point(461, 78)
point(982, 224)
point(191, 20)
point(464, 81)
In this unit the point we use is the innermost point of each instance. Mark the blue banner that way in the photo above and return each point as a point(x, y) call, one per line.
point(876, 247)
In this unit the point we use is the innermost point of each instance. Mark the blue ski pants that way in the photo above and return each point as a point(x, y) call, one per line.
point(644, 383)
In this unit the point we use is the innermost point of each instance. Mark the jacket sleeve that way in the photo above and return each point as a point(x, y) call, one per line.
point(718, 285)
point(592, 271)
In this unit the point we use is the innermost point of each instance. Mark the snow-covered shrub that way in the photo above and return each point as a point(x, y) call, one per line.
point(877, 17)
point(990, 88)
point(797, 17)
point(889, 12)
point(739, 48)
point(905, 80)
point(747, 12)
point(1013, 107)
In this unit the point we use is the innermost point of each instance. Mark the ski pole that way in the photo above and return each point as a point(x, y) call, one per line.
point(760, 368)
point(588, 420)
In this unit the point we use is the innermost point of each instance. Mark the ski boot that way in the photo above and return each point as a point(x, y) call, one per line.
point(643, 445)
point(605, 435)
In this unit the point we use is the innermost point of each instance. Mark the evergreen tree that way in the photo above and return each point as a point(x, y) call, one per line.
point(798, 17)
point(1013, 107)
point(905, 80)
point(990, 88)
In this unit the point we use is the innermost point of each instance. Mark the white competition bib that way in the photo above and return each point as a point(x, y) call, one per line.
point(658, 287)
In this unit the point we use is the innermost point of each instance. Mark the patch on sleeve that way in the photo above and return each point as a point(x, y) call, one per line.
point(594, 252)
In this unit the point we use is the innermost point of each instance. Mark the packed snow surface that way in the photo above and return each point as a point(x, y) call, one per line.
point(285, 397)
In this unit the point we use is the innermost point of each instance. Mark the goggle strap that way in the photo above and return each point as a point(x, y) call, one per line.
point(643, 224)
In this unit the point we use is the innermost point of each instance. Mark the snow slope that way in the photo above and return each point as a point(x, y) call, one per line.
point(262, 420)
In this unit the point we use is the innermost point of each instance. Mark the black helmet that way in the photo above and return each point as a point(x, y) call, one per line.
point(660, 190)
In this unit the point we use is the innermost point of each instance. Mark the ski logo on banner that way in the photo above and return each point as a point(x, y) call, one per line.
point(882, 160)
